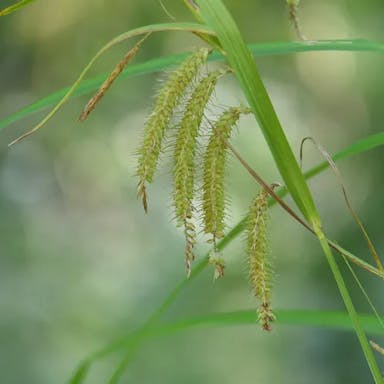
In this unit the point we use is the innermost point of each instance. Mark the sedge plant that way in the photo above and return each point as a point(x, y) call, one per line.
point(189, 89)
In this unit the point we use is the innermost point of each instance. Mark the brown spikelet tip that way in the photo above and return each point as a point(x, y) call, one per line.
point(219, 271)
point(189, 255)
point(111, 78)
point(190, 240)
point(142, 194)
point(188, 267)
point(377, 347)
point(218, 263)
point(266, 316)
point(259, 265)
point(294, 18)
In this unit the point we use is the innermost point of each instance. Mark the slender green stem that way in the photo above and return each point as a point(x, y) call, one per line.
point(118, 373)
point(239, 57)
point(351, 310)
point(326, 319)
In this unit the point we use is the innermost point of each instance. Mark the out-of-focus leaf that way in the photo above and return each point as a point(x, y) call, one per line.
point(159, 64)
point(14, 7)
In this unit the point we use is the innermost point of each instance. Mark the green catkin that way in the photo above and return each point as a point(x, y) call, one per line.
point(214, 171)
point(184, 159)
point(258, 264)
point(158, 121)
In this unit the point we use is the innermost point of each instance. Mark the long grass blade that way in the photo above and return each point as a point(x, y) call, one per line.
point(323, 319)
point(239, 57)
point(159, 64)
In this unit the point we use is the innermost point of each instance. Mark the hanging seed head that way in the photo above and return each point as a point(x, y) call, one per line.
point(214, 172)
point(184, 156)
point(258, 264)
point(158, 121)
point(111, 78)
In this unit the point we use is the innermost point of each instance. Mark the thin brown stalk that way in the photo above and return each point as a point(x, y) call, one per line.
point(289, 210)
point(111, 78)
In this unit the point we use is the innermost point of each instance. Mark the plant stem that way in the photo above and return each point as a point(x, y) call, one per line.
point(216, 15)
point(351, 309)
point(278, 199)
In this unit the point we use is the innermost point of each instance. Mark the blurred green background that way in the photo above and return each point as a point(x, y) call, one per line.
point(80, 264)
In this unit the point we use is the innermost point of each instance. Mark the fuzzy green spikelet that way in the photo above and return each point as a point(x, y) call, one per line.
point(259, 266)
point(184, 159)
point(214, 173)
point(157, 123)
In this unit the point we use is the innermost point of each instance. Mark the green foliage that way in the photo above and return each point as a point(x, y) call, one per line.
point(239, 57)
point(196, 28)
point(221, 31)
point(84, 87)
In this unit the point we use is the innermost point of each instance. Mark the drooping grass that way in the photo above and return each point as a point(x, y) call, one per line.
point(238, 55)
